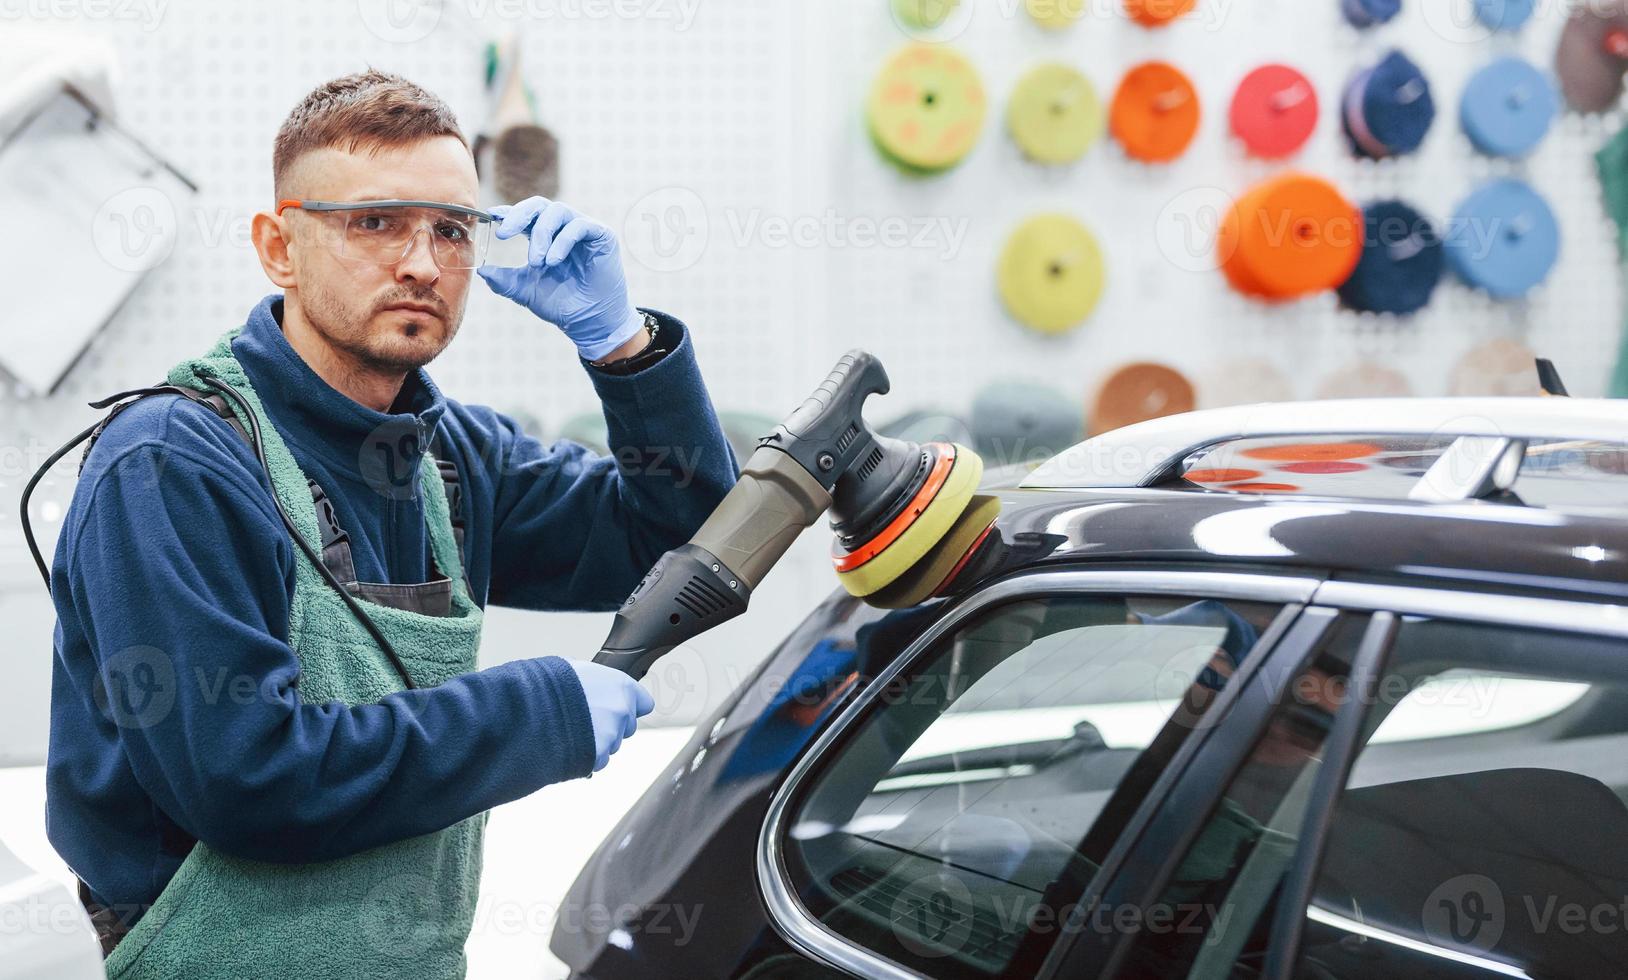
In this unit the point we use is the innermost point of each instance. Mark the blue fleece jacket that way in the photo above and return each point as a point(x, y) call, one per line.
point(173, 579)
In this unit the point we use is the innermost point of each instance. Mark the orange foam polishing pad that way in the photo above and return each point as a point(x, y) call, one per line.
point(1155, 112)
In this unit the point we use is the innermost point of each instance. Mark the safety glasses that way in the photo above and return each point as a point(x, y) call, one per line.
point(383, 232)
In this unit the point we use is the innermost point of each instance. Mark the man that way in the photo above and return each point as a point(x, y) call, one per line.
point(266, 761)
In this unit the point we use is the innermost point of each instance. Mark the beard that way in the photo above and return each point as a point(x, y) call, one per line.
point(379, 340)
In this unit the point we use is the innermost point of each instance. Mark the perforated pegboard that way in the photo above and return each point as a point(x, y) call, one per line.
point(725, 139)
point(1168, 304)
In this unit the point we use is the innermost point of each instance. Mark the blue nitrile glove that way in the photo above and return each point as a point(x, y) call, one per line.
point(616, 702)
point(572, 277)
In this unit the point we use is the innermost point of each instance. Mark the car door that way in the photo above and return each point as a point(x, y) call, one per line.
point(1433, 788)
point(948, 821)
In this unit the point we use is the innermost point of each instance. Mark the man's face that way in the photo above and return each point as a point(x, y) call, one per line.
point(358, 306)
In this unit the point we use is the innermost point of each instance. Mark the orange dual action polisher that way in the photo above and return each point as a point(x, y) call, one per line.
point(905, 516)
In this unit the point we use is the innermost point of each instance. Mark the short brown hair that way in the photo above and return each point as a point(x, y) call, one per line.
point(364, 110)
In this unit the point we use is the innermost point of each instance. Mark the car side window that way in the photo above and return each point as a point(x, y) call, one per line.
point(1483, 825)
point(1481, 831)
point(954, 823)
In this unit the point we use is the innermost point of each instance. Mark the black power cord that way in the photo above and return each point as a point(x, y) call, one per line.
point(28, 491)
point(227, 391)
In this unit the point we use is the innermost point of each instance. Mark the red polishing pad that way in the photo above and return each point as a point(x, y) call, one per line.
point(1274, 111)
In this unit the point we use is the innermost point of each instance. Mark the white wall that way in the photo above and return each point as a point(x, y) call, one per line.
point(694, 125)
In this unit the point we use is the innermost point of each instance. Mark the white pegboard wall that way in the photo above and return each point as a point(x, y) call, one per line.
point(696, 127)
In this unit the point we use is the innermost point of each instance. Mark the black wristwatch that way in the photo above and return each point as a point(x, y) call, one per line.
point(652, 352)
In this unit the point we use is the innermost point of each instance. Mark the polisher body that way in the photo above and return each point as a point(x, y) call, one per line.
point(894, 506)
point(784, 487)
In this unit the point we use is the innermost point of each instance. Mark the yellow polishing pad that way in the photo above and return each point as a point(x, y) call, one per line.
point(1054, 15)
point(918, 583)
point(1051, 273)
point(921, 525)
point(1054, 114)
point(927, 107)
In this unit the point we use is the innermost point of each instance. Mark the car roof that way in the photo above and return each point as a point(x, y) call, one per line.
point(1122, 497)
point(1473, 542)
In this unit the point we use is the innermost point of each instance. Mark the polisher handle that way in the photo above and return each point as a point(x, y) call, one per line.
point(827, 433)
point(698, 585)
point(687, 592)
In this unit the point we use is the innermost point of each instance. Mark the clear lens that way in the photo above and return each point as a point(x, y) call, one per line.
point(382, 235)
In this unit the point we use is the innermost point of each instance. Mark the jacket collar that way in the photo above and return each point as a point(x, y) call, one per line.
point(380, 448)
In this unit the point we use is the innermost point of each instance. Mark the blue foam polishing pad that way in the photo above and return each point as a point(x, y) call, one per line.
point(1388, 109)
point(1504, 15)
point(1401, 261)
point(1019, 421)
point(1504, 239)
point(1508, 107)
point(1367, 13)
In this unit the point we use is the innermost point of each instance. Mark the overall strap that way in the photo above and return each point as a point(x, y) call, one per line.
point(336, 550)
point(455, 497)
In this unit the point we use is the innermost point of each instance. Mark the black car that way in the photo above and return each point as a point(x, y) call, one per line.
point(1334, 690)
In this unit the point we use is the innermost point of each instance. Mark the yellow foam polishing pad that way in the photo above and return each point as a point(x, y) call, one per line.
point(1054, 114)
point(922, 523)
point(1051, 273)
point(1054, 15)
point(918, 582)
point(926, 108)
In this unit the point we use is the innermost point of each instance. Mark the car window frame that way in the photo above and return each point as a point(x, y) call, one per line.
point(1153, 846)
point(1291, 590)
point(1142, 877)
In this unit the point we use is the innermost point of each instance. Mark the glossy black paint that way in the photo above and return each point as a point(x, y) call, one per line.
point(672, 891)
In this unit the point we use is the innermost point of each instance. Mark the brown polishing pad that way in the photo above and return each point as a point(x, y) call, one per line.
point(1593, 56)
point(921, 523)
point(1139, 392)
point(921, 580)
point(525, 163)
